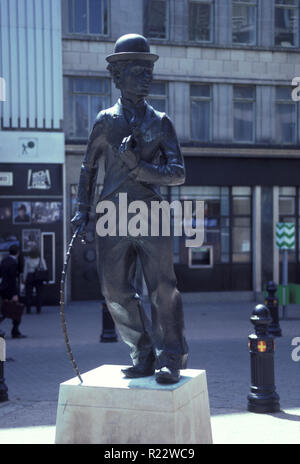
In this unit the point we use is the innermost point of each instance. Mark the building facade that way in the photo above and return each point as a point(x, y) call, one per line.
point(224, 77)
point(31, 135)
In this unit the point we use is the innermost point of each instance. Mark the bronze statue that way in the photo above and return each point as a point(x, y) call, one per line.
point(141, 153)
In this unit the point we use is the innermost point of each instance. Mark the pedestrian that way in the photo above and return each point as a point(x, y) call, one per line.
point(9, 286)
point(33, 262)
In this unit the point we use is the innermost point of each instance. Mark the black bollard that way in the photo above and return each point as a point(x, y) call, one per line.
point(272, 304)
point(3, 387)
point(109, 334)
point(262, 397)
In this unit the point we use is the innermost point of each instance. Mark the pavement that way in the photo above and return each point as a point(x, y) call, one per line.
point(217, 335)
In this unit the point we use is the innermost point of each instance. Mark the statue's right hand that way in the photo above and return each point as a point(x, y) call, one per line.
point(80, 221)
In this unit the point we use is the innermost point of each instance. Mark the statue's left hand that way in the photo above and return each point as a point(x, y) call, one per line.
point(129, 152)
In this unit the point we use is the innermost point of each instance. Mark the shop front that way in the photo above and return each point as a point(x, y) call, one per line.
point(32, 200)
point(31, 215)
point(243, 199)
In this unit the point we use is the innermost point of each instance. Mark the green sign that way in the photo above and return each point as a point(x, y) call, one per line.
point(285, 235)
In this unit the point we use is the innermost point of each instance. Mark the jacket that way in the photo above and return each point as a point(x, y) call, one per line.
point(9, 274)
point(161, 161)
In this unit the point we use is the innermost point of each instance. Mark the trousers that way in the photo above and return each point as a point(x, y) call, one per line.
point(161, 340)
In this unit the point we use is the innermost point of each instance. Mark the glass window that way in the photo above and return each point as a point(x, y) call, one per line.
point(285, 116)
point(86, 97)
point(244, 108)
point(241, 224)
point(201, 101)
point(201, 20)
point(244, 17)
point(241, 205)
point(157, 19)
point(216, 220)
point(158, 96)
point(287, 23)
point(86, 16)
point(241, 240)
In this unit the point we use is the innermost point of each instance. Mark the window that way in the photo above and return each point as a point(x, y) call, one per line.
point(201, 20)
point(157, 19)
point(286, 116)
point(86, 16)
point(158, 96)
point(243, 113)
point(85, 97)
point(244, 17)
point(216, 246)
point(241, 224)
point(201, 100)
point(287, 23)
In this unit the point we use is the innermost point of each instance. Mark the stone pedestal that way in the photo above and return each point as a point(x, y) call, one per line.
point(110, 409)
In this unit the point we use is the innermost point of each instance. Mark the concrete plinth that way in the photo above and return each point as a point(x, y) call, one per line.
point(108, 408)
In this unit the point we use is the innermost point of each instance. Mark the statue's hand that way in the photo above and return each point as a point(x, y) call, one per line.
point(129, 152)
point(80, 221)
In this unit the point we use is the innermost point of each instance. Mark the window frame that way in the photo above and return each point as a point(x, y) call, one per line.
point(212, 20)
point(210, 100)
point(105, 27)
point(70, 83)
point(293, 104)
point(247, 3)
point(147, 6)
point(163, 97)
point(254, 110)
point(290, 7)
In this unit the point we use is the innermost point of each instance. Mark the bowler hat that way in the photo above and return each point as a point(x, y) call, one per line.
point(132, 47)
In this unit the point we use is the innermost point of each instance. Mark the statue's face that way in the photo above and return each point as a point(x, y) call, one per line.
point(136, 78)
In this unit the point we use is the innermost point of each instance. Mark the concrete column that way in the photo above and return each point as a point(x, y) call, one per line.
point(266, 23)
point(267, 234)
point(275, 220)
point(256, 240)
point(125, 20)
point(222, 113)
point(180, 28)
point(179, 108)
point(264, 114)
point(223, 21)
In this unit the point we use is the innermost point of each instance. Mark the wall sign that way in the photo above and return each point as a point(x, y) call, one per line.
point(6, 179)
point(28, 147)
point(39, 179)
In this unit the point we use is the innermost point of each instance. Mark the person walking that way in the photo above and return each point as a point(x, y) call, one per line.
point(32, 262)
point(9, 272)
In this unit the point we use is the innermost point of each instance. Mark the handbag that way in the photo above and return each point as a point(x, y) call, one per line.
point(12, 309)
point(41, 274)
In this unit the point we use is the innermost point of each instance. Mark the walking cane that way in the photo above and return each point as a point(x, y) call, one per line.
point(62, 302)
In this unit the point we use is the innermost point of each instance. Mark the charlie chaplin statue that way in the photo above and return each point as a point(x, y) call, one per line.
point(141, 153)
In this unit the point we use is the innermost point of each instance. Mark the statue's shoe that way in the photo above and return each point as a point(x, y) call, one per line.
point(135, 372)
point(167, 375)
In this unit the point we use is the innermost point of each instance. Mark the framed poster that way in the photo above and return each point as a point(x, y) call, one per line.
point(31, 238)
point(21, 212)
point(201, 257)
point(46, 212)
